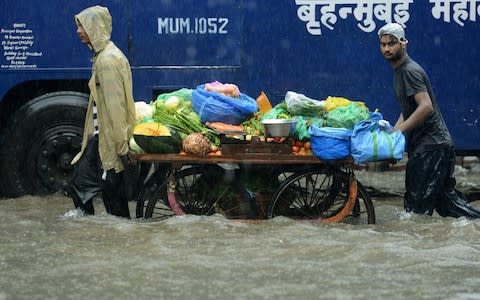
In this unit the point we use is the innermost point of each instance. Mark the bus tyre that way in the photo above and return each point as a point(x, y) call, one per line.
point(40, 143)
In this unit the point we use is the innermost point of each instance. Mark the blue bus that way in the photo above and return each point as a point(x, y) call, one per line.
point(316, 47)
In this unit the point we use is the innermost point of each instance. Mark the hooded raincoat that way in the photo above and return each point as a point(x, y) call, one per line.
point(110, 88)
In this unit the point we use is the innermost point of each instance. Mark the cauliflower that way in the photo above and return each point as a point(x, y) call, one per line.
point(143, 110)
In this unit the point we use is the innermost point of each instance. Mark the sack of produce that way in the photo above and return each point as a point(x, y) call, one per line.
point(213, 106)
point(227, 89)
point(301, 105)
point(329, 143)
point(302, 131)
point(174, 101)
point(373, 141)
point(183, 94)
point(347, 116)
point(279, 111)
point(333, 102)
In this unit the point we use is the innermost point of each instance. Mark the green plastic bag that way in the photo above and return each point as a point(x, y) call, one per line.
point(184, 94)
point(176, 100)
point(278, 112)
point(303, 124)
point(347, 116)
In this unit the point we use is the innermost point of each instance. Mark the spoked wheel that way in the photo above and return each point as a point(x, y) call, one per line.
point(321, 194)
point(152, 200)
point(199, 190)
point(151, 182)
point(363, 212)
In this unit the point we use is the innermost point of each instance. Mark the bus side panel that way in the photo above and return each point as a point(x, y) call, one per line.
point(44, 36)
point(344, 59)
point(275, 46)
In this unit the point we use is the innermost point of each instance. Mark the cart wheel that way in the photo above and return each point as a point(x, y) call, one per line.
point(319, 193)
point(199, 190)
point(363, 211)
point(152, 200)
point(205, 190)
point(148, 180)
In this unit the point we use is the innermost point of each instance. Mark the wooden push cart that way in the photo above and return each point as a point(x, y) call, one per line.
point(252, 185)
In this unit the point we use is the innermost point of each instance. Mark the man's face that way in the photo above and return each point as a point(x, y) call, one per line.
point(83, 35)
point(392, 50)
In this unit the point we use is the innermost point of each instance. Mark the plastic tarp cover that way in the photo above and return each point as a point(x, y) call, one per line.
point(215, 107)
point(330, 143)
point(372, 142)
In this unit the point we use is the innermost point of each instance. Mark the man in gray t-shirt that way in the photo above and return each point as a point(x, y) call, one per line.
point(410, 80)
point(429, 182)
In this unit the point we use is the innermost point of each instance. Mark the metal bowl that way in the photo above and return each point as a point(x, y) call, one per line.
point(279, 127)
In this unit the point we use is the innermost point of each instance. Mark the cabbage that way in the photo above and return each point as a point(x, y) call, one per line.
point(172, 103)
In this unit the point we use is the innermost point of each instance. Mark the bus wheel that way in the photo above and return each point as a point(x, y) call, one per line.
point(40, 143)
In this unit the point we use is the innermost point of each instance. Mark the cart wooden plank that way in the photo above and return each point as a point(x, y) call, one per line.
point(245, 158)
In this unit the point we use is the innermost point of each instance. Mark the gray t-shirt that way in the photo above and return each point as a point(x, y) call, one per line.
point(410, 79)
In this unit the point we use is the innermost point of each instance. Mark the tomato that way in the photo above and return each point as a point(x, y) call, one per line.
point(295, 149)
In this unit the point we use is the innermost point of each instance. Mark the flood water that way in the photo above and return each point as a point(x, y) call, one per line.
point(48, 251)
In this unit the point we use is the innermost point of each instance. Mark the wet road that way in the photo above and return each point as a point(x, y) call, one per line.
point(48, 251)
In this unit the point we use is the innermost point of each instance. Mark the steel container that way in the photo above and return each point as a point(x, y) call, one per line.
point(279, 127)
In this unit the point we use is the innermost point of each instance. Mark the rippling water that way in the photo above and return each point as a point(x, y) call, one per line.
point(48, 251)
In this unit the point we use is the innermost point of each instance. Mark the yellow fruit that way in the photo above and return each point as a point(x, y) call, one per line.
point(151, 129)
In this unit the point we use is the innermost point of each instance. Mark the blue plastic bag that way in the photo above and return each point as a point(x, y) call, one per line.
point(373, 142)
point(215, 107)
point(330, 143)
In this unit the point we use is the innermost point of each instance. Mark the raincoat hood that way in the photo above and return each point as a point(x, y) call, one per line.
point(97, 22)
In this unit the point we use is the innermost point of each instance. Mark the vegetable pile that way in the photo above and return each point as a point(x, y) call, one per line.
point(171, 119)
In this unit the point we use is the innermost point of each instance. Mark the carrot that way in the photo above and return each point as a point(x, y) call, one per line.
point(220, 126)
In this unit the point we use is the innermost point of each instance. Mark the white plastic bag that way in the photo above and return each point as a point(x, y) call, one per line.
point(301, 105)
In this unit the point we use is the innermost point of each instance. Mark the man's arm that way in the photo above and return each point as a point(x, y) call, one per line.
point(398, 123)
point(424, 109)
